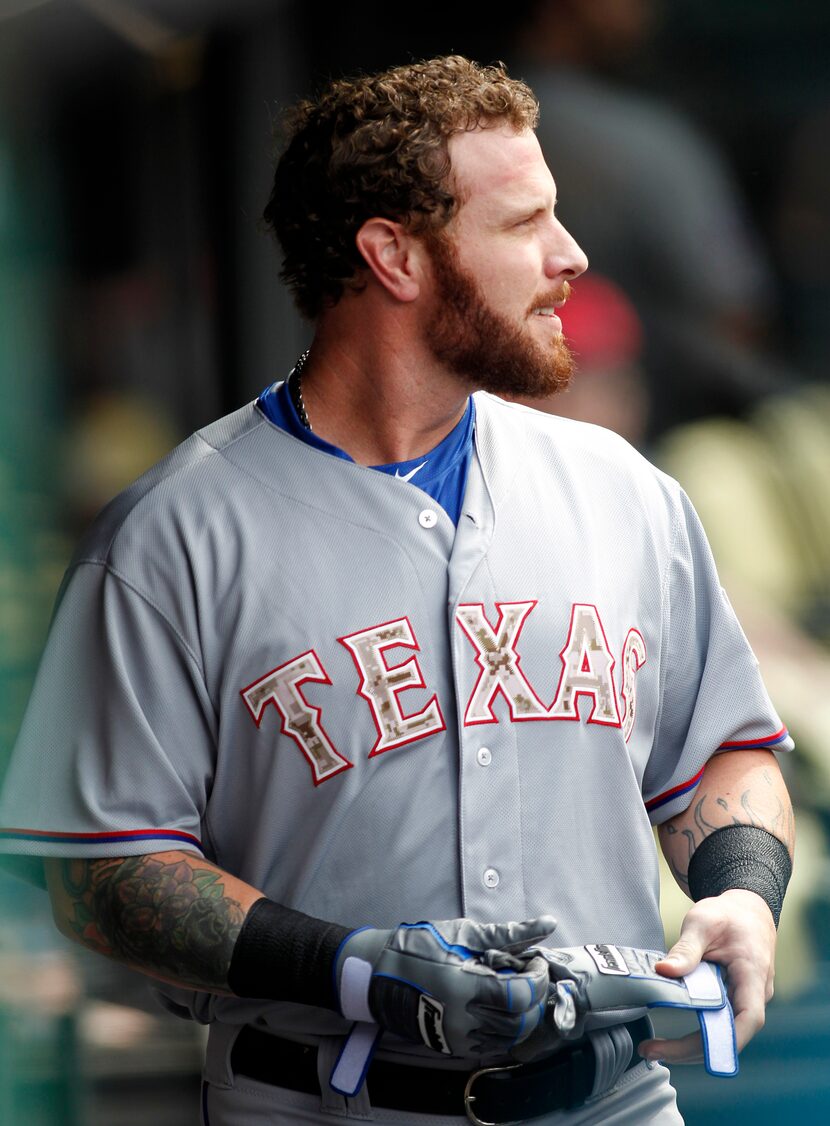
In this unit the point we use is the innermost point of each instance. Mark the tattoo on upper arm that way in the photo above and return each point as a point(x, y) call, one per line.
point(705, 827)
point(166, 916)
point(706, 820)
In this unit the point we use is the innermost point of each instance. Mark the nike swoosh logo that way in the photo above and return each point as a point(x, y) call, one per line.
point(408, 476)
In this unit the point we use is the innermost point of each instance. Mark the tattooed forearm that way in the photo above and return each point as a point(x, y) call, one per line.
point(167, 915)
point(743, 788)
point(680, 870)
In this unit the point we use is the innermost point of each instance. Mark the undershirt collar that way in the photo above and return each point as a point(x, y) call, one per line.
point(441, 473)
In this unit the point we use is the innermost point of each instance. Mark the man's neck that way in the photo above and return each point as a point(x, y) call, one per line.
point(380, 402)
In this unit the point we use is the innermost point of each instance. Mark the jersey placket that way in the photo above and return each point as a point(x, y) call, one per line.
point(489, 807)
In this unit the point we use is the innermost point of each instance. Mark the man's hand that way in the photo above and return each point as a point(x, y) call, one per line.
point(735, 930)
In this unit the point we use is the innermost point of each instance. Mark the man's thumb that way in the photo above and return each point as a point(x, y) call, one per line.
point(683, 957)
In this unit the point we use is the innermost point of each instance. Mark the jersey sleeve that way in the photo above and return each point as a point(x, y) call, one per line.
point(712, 696)
point(117, 746)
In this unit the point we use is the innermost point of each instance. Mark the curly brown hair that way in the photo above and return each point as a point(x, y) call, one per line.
point(377, 145)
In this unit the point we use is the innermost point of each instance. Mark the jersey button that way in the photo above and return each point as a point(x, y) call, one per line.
point(491, 878)
point(483, 756)
point(428, 518)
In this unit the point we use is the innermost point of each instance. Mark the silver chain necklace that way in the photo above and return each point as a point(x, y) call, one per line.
point(295, 389)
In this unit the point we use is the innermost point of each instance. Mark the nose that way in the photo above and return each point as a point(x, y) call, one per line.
point(565, 258)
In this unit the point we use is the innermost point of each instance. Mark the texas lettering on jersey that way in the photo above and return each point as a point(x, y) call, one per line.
point(587, 673)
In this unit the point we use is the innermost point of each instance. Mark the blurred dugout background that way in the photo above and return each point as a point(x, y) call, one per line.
point(690, 140)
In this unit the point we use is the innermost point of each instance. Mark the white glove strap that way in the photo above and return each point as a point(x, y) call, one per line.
point(703, 984)
point(717, 1026)
point(353, 1062)
point(720, 1052)
point(355, 979)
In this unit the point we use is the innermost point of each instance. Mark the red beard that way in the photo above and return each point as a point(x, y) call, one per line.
point(481, 346)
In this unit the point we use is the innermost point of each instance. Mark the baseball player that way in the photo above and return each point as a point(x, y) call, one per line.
point(358, 709)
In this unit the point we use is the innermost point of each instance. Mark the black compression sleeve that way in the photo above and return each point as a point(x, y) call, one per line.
point(741, 856)
point(284, 955)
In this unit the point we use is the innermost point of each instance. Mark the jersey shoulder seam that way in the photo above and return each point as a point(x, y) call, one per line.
point(208, 451)
point(130, 585)
point(258, 421)
point(147, 493)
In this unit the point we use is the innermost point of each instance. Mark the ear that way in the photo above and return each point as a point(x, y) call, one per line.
point(394, 256)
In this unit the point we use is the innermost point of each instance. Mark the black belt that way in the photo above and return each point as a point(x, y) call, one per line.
point(515, 1093)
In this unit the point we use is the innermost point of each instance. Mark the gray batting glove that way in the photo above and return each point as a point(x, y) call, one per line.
point(455, 986)
point(601, 978)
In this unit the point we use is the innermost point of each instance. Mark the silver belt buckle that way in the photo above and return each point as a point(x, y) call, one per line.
point(469, 1097)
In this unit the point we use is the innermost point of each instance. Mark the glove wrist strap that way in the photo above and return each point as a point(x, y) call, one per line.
point(355, 979)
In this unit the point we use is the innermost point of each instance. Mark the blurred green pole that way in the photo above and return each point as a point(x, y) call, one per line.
point(31, 405)
point(32, 555)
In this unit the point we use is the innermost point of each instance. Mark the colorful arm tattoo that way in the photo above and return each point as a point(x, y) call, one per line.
point(169, 917)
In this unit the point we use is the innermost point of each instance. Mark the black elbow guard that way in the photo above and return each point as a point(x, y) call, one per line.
point(741, 856)
point(284, 955)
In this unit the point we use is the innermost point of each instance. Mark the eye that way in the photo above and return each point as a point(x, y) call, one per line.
point(532, 217)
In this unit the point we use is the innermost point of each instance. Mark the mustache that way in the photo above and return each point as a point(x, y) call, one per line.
point(552, 297)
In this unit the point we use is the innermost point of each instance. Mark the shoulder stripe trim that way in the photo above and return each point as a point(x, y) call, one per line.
point(100, 838)
point(675, 791)
point(749, 744)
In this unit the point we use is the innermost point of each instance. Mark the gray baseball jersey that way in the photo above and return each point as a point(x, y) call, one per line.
point(301, 668)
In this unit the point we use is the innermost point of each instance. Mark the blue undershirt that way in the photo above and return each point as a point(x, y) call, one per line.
point(442, 473)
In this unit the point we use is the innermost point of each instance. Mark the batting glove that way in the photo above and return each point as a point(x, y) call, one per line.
point(455, 986)
point(605, 979)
